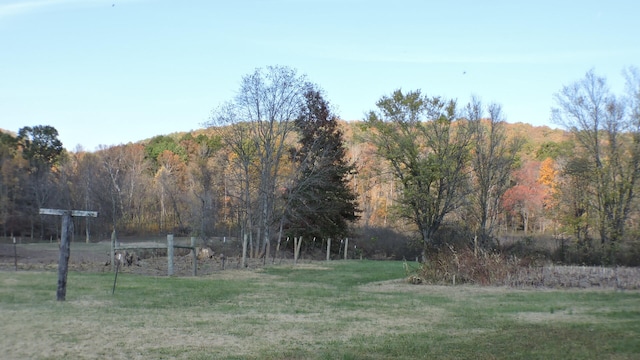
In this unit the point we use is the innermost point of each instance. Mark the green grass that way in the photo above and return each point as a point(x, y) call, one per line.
point(335, 310)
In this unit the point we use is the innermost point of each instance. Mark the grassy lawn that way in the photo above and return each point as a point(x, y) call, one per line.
point(335, 310)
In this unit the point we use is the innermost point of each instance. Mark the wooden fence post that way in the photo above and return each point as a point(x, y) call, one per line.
point(195, 256)
point(297, 242)
point(346, 246)
point(15, 254)
point(295, 250)
point(169, 254)
point(245, 239)
point(328, 249)
point(63, 261)
point(113, 251)
point(65, 246)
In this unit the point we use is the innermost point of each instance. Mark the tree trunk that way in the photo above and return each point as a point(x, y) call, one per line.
point(275, 254)
point(265, 227)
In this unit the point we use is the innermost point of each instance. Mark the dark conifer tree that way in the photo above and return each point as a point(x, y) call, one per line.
point(321, 204)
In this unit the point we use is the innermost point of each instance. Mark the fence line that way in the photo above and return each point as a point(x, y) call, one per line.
point(170, 245)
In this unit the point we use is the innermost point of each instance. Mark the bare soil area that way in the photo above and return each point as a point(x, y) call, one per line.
point(95, 257)
point(627, 278)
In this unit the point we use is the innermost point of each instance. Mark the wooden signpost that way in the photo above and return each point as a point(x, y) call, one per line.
point(65, 242)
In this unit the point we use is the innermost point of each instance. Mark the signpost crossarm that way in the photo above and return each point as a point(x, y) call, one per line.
point(82, 213)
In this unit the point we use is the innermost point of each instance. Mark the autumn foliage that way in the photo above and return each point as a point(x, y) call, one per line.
point(414, 167)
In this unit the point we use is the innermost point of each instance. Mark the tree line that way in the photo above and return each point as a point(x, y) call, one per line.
point(276, 162)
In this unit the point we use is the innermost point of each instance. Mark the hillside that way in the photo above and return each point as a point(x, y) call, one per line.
point(535, 136)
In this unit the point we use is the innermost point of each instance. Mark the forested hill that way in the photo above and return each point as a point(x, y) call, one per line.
point(174, 174)
point(375, 187)
point(4, 131)
point(536, 136)
point(540, 141)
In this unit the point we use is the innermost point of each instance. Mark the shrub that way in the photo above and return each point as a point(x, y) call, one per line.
point(451, 266)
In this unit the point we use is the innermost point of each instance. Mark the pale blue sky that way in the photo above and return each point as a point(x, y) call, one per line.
point(111, 72)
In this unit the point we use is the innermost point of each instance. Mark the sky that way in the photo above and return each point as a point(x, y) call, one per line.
point(111, 72)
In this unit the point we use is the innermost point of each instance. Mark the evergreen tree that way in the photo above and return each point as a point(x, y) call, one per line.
point(321, 204)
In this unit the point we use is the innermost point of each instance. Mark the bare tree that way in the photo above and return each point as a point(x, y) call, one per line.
point(170, 181)
point(608, 131)
point(268, 101)
point(493, 159)
point(205, 175)
point(122, 184)
point(112, 162)
point(84, 165)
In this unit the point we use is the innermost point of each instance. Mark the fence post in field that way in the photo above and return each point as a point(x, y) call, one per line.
point(328, 248)
point(245, 239)
point(195, 256)
point(65, 246)
point(65, 252)
point(169, 254)
point(295, 250)
point(113, 250)
point(297, 242)
point(15, 254)
point(346, 246)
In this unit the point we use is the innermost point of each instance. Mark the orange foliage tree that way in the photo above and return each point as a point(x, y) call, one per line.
point(549, 179)
point(526, 199)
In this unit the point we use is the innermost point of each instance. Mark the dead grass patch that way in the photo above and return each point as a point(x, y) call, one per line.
point(305, 266)
point(567, 315)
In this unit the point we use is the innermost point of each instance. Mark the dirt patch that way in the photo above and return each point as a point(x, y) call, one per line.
point(44, 257)
point(576, 277)
point(454, 292)
point(95, 257)
point(554, 316)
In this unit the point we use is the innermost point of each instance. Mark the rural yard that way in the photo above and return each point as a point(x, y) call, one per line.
point(314, 310)
point(278, 180)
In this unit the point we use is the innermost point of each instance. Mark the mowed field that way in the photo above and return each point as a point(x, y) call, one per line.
point(320, 310)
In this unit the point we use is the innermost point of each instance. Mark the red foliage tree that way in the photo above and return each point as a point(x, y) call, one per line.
point(526, 198)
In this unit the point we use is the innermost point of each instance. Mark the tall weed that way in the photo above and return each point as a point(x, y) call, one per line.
point(451, 266)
